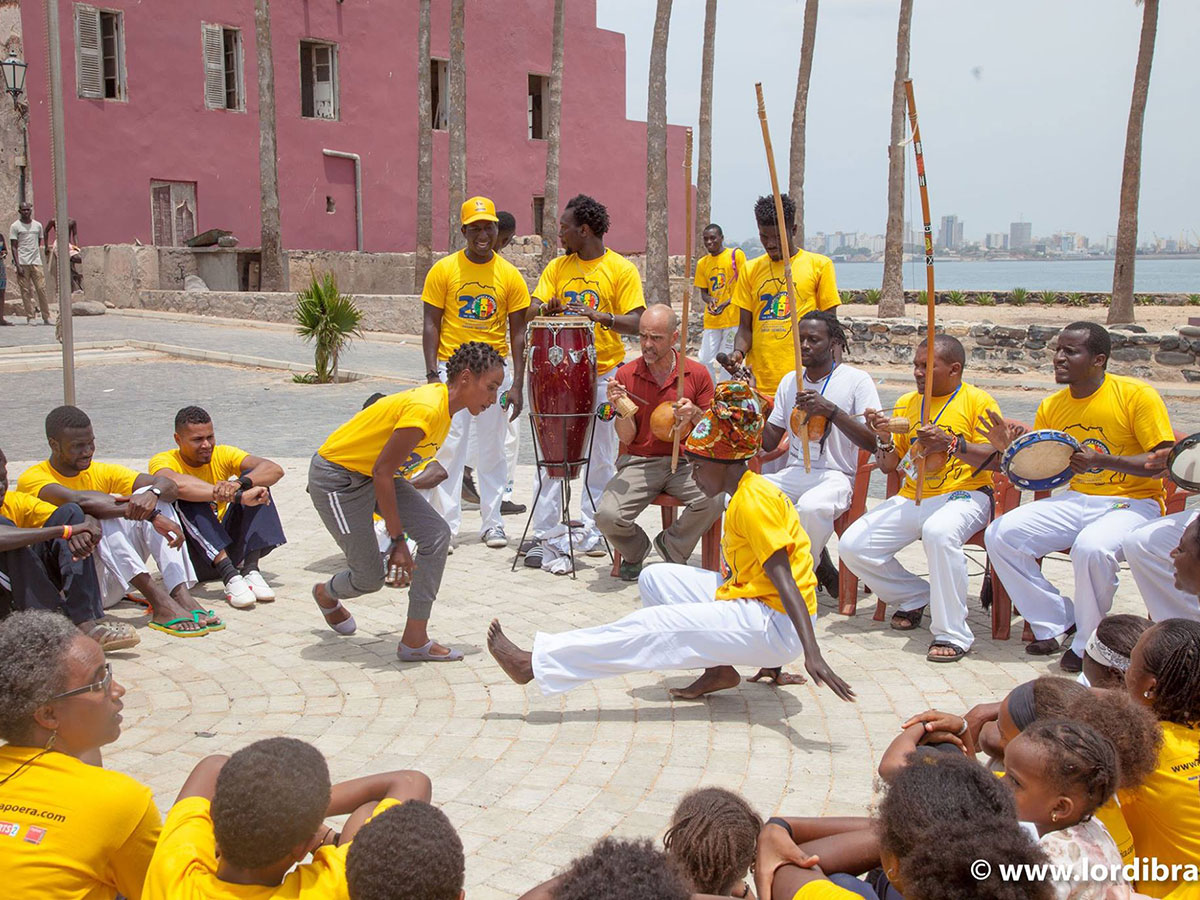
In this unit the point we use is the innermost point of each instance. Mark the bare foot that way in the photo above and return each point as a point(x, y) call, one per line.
point(717, 678)
point(334, 613)
point(779, 677)
point(516, 663)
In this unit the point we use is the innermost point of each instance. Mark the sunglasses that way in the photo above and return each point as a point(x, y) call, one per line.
point(101, 686)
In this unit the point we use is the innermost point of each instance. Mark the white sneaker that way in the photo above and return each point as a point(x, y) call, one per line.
point(238, 593)
point(258, 584)
point(495, 537)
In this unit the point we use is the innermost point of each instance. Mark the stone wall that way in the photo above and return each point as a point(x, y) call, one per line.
point(1031, 298)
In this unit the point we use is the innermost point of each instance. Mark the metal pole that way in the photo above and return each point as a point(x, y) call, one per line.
point(61, 221)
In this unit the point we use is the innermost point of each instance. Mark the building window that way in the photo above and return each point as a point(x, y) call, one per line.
point(539, 106)
point(173, 212)
point(223, 85)
point(318, 80)
point(439, 88)
point(539, 212)
point(99, 53)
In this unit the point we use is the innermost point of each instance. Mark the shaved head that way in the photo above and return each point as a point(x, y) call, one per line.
point(660, 315)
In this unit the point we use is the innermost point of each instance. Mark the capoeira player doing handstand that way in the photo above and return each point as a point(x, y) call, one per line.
point(760, 615)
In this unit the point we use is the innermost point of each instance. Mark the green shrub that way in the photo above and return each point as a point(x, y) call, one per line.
point(845, 297)
point(1049, 298)
point(871, 296)
point(986, 300)
point(1018, 296)
point(956, 298)
point(330, 320)
point(1193, 300)
point(1075, 298)
point(923, 297)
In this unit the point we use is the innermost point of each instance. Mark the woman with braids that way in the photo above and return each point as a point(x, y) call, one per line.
point(1164, 813)
point(366, 465)
point(1106, 658)
point(712, 837)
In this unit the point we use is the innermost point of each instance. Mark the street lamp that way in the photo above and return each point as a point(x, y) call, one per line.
point(14, 83)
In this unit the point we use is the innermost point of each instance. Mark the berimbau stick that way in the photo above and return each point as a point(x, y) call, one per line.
point(930, 319)
point(687, 289)
point(785, 248)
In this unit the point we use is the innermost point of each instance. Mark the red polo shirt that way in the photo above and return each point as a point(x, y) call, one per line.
point(644, 390)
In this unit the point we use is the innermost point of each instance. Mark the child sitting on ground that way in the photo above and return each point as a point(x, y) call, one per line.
point(408, 852)
point(617, 870)
point(1106, 659)
point(240, 824)
point(712, 837)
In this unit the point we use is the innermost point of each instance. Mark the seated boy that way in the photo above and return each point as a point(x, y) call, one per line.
point(408, 852)
point(242, 822)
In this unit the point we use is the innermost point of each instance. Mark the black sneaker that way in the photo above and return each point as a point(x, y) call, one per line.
point(1071, 662)
point(508, 508)
point(470, 494)
point(533, 557)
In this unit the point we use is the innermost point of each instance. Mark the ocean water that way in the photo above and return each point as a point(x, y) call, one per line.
point(1149, 275)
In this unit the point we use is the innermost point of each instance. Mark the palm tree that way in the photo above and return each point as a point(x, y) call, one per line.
point(891, 301)
point(657, 277)
point(553, 123)
point(704, 151)
point(1120, 310)
point(271, 265)
point(458, 122)
point(424, 256)
point(800, 116)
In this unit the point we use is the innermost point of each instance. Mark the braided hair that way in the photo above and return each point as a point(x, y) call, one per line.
point(1078, 756)
point(473, 356)
point(590, 212)
point(712, 836)
point(1171, 653)
point(837, 333)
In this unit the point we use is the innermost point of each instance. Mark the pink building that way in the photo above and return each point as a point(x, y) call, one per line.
point(162, 119)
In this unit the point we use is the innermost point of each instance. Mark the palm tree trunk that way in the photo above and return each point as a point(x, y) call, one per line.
point(891, 302)
point(458, 122)
point(424, 256)
point(271, 265)
point(553, 124)
point(1120, 310)
point(657, 277)
point(704, 152)
point(800, 117)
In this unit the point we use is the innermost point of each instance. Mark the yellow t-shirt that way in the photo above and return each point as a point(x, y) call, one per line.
point(26, 510)
point(762, 289)
point(759, 521)
point(107, 478)
point(719, 275)
point(823, 890)
point(1187, 891)
point(475, 299)
point(610, 284)
point(1164, 813)
point(70, 831)
point(1125, 417)
point(226, 463)
point(958, 414)
point(1111, 816)
point(184, 866)
point(357, 444)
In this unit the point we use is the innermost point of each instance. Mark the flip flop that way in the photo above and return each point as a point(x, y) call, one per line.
point(139, 601)
point(172, 629)
point(218, 625)
point(422, 654)
point(346, 626)
point(959, 652)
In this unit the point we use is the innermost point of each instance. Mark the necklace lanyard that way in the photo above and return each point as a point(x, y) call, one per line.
point(825, 383)
point(940, 411)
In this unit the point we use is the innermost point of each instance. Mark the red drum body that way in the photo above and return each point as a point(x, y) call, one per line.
point(562, 390)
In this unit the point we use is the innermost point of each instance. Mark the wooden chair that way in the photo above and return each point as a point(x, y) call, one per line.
point(756, 463)
point(710, 544)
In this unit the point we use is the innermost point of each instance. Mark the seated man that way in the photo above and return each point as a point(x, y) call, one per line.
point(225, 504)
point(46, 563)
point(1149, 549)
point(137, 521)
point(644, 464)
point(761, 614)
point(1120, 423)
point(834, 399)
point(955, 504)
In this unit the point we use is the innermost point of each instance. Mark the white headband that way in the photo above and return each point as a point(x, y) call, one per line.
point(1105, 655)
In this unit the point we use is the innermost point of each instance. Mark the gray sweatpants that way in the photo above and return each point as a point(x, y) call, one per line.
point(345, 501)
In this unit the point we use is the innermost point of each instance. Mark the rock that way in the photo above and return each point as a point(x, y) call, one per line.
point(1042, 332)
point(985, 342)
point(1011, 370)
point(976, 331)
point(903, 328)
point(878, 328)
point(194, 283)
point(1170, 343)
point(1191, 375)
point(1129, 326)
point(1174, 358)
point(87, 308)
point(109, 304)
point(1035, 345)
point(1192, 331)
point(1014, 354)
point(227, 240)
point(1007, 331)
point(1143, 339)
point(957, 329)
point(1131, 354)
point(1194, 346)
point(1143, 372)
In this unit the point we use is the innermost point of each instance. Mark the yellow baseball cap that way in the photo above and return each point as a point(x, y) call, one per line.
point(478, 209)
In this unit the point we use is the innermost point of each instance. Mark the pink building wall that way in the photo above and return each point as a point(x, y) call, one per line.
point(163, 130)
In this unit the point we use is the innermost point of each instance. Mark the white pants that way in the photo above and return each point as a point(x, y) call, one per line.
point(489, 429)
point(512, 449)
point(1148, 551)
point(547, 510)
point(1089, 527)
point(820, 497)
point(680, 626)
point(125, 545)
point(943, 524)
point(712, 342)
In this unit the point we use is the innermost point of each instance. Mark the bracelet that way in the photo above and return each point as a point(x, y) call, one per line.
point(612, 321)
point(66, 532)
point(881, 447)
point(433, 373)
point(237, 495)
point(962, 730)
point(782, 823)
point(245, 482)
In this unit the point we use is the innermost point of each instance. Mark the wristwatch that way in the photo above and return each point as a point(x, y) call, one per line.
point(156, 492)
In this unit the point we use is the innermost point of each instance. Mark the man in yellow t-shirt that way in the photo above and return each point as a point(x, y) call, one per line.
point(476, 295)
point(225, 506)
point(760, 614)
point(764, 338)
point(717, 276)
point(595, 282)
point(955, 503)
point(1120, 423)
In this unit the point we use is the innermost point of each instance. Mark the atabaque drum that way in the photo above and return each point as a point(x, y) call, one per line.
point(562, 390)
point(1040, 460)
point(1183, 465)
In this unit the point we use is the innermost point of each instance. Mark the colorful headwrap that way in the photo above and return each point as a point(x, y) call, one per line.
point(1105, 655)
point(732, 428)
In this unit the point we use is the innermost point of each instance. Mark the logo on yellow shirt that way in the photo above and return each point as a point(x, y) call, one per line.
point(716, 282)
point(479, 306)
point(34, 835)
point(587, 292)
point(774, 306)
point(414, 460)
point(9, 829)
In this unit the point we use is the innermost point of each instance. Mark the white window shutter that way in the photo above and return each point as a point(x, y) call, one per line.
point(214, 67)
point(89, 69)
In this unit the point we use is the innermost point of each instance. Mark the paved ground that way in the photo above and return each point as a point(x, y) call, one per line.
point(529, 782)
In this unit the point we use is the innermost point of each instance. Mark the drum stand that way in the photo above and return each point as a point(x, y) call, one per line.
point(564, 484)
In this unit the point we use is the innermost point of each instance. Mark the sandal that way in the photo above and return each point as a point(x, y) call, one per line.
point(111, 635)
point(422, 654)
point(958, 654)
point(214, 623)
point(172, 627)
point(346, 626)
point(907, 619)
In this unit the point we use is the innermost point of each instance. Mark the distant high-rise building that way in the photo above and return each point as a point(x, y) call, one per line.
point(996, 240)
point(950, 236)
point(1020, 235)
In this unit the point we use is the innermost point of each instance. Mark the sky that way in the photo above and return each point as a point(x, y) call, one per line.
point(1023, 108)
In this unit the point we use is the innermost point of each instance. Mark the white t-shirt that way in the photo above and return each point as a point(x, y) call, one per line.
point(29, 242)
point(852, 391)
